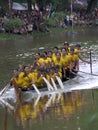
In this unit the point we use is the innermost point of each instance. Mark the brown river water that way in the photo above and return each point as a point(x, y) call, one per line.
point(68, 110)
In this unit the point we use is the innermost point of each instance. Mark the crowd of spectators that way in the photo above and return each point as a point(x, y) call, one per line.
point(37, 19)
point(81, 18)
point(30, 22)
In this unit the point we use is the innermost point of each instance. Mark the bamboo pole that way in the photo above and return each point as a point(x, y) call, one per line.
point(90, 62)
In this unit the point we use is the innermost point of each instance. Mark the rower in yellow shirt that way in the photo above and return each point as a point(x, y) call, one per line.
point(65, 62)
point(36, 58)
point(47, 59)
point(50, 55)
point(77, 53)
point(58, 61)
point(39, 82)
point(43, 60)
point(67, 47)
point(24, 79)
point(55, 51)
point(64, 58)
point(72, 59)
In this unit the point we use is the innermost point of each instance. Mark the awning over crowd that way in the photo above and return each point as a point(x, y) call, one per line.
point(18, 6)
point(81, 2)
point(23, 6)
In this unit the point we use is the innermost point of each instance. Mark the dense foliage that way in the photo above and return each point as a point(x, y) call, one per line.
point(11, 24)
point(59, 5)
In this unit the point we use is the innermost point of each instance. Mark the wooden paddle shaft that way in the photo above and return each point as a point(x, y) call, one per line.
point(90, 62)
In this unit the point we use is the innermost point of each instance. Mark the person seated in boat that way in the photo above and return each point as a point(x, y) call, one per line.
point(77, 53)
point(15, 75)
point(21, 67)
point(38, 73)
point(66, 47)
point(36, 58)
point(57, 71)
point(44, 61)
point(65, 61)
point(49, 57)
point(41, 61)
point(72, 63)
point(55, 51)
point(48, 74)
point(58, 61)
point(44, 74)
point(77, 49)
point(38, 79)
point(16, 72)
point(51, 74)
point(25, 79)
point(15, 81)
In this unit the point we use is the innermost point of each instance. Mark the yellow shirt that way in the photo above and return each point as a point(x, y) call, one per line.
point(71, 58)
point(25, 81)
point(38, 80)
point(65, 60)
point(49, 59)
point(60, 62)
point(76, 51)
point(53, 57)
point(41, 60)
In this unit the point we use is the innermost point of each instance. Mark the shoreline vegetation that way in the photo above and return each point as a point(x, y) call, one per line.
point(10, 36)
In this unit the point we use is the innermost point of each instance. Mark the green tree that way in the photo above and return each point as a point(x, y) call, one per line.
point(11, 24)
point(29, 5)
point(91, 5)
point(56, 4)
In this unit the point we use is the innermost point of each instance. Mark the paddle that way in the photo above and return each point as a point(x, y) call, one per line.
point(87, 73)
point(54, 84)
point(90, 62)
point(16, 72)
point(77, 74)
point(91, 72)
point(60, 82)
point(36, 101)
point(36, 89)
point(71, 79)
point(48, 84)
point(6, 104)
point(4, 89)
point(49, 101)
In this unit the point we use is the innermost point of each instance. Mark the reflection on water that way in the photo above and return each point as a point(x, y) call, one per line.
point(42, 109)
point(55, 111)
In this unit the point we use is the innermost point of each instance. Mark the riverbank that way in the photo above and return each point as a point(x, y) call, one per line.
point(10, 36)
